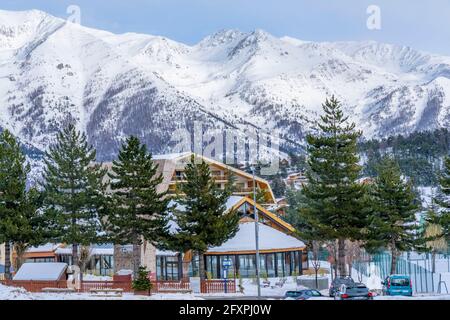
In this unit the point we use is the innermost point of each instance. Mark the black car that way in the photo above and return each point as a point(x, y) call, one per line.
point(357, 291)
point(302, 294)
point(338, 282)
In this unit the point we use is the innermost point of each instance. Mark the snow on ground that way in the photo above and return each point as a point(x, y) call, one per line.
point(11, 293)
point(417, 296)
point(126, 296)
point(250, 288)
point(91, 277)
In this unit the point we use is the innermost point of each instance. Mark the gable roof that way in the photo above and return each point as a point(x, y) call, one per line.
point(270, 239)
point(235, 202)
point(174, 157)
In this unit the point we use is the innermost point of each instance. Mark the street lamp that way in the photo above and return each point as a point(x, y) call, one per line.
point(255, 212)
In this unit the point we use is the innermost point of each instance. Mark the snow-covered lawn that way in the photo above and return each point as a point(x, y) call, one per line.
point(11, 293)
point(251, 289)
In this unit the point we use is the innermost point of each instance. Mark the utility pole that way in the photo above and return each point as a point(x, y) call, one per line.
point(255, 211)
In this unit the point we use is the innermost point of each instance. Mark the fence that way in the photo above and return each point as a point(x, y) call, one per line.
point(86, 286)
point(35, 286)
point(171, 286)
point(207, 286)
point(218, 286)
point(423, 280)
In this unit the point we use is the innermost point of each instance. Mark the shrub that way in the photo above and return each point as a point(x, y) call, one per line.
point(142, 282)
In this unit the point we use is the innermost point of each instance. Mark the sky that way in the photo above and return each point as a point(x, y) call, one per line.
point(423, 25)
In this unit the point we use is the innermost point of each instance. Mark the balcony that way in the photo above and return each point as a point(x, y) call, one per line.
point(217, 178)
point(243, 190)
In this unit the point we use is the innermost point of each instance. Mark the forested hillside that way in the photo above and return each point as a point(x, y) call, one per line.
point(419, 154)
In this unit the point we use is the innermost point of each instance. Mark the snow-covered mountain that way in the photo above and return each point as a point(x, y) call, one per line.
point(53, 72)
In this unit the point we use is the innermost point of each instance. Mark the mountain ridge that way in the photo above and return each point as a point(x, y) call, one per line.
point(53, 72)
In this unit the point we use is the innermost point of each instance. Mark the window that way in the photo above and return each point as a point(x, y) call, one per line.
point(65, 258)
point(179, 175)
point(270, 263)
point(39, 260)
point(211, 266)
point(240, 186)
point(216, 173)
point(247, 265)
point(280, 264)
point(167, 268)
point(399, 282)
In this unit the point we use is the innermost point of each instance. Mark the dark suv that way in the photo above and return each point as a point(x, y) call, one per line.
point(337, 282)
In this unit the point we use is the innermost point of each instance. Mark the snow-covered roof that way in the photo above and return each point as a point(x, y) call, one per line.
point(166, 253)
point(93, 251)
point(231, 202)
point(48, 247)
point(269, 239)
point(170, 156)
point(46, 271)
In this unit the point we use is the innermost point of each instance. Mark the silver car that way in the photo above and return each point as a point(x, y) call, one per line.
point(357, 291)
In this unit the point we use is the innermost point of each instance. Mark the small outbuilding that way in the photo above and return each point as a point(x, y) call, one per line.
point(45, 271)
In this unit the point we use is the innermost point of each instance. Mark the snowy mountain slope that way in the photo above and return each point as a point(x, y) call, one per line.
point(53, 72)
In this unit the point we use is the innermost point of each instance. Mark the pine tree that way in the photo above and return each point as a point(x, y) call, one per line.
point(31, 225)
point(333, 195)
point(296, 201)
point(18, 217)
point(391, 222)
point(278, 186)
point(444, 201)
point(435, 241)
point(204, 220)
point(139, 210)
point(73, 191)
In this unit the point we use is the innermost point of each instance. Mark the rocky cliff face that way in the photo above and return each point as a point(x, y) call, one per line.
point(111, 86)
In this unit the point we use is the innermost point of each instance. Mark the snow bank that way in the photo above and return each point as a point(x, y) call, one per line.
point(11, 293)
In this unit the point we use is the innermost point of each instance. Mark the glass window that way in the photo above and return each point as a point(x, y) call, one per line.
point(211, 267)
point(399, 282)
point(280, 264)
point(167, 268)
point(231, 270)
point(194, 266)
point(304, 259)
point(179, 175)
point(270, 263)
point(247, 265)
point(40, 260)
point(287, 264)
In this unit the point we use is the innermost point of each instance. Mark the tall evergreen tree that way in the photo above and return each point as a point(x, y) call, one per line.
point(444, 200)
point(204, 221)
point(18, 217)
point(139, 210)
point(31, 225)
point(74, 191)
point(333, 195)
point(391, 222)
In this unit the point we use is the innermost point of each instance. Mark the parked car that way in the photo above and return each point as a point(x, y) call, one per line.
point(356, 291)
point(397, 285)
point(337, 282)
point(302, 294)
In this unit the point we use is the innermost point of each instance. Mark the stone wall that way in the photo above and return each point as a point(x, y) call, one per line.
point(123, 257)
